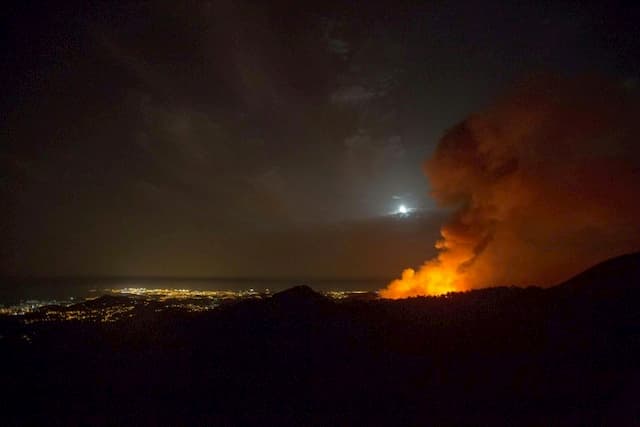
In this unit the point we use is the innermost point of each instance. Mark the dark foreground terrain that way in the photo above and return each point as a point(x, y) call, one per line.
point(568, 355)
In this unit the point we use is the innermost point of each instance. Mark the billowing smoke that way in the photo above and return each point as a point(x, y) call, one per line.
point(541, 185)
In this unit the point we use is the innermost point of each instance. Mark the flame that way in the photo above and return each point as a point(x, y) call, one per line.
point(438, 276)
point(426, 281)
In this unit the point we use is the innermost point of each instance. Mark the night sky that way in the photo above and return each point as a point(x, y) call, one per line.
point(258, 139)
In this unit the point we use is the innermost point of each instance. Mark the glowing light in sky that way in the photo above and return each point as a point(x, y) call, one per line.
point(402, 209)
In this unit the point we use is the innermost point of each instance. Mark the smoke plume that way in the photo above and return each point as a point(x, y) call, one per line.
point(541, 185)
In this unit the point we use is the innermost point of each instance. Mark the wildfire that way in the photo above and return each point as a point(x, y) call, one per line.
point(448, 272)
point(433, 278)
point(541, 184)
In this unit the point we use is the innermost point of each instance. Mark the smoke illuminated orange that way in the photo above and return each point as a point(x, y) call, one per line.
point(541, 185)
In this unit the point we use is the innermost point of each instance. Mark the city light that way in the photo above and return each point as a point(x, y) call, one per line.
point(120, 303)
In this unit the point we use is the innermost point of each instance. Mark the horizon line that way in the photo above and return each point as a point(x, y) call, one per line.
point(154, 277)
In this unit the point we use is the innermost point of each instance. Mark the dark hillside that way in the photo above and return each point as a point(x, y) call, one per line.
point(502, 356)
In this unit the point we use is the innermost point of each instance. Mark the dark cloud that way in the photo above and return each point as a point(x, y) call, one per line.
point(144, 131)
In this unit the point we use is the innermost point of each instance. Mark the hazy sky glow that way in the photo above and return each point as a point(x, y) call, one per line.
point(257, 138)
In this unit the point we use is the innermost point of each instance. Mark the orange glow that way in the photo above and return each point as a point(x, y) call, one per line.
point(541, 185)
point(436, 277)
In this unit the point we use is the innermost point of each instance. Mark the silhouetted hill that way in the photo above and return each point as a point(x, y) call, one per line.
point(302, 294)
point(620, 274)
